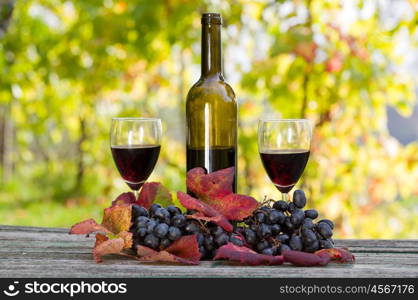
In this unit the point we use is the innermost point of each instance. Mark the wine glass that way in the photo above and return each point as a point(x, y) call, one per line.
point(284, 147)
point(135, 145)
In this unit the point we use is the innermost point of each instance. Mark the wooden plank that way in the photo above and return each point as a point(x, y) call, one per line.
point(24, 257)
point(116, 268)
point(32, 229)
point(51, 252)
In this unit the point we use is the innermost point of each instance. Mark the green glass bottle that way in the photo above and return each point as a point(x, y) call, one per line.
point(211, 109)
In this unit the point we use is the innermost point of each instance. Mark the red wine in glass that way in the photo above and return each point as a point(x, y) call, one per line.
point(284, 167)
point(135, 162)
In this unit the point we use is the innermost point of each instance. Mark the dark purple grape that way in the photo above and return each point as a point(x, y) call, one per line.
point(307, 224)
point(267, 251)
point(308, 236)
point(296, 242)
point(179, 221)
point(260, 217)
point(173, 210)
point(287, 225)
point(200, 239)
point(202, 251)
point(156, 220)
point(222, 239)
point(234, 239)
point(284, 247)
point(174, 233)
point(297, 217)
point(164, 243)
point(262, 245)
point(311, 213)
point(280, 205)
point(326, 244)
point(265, 209)
point(167, 221)
point(142, 221)
point(282, 217)
point(161, 230)
point(275, 229)
point(264, 231)
point(151, 241)
point(151, 226)
point(154, 208)
point(141, 232)
point(299, 198)
point(218, 230)
point(276, 217)
point(192, 227)
point(291, 207)
point(254, 227)
point(138, 211)
point(208, 243)
point(312, 247)
point(329, 222)
point(283, 238)
point(324, 229)
point(250, 236)
point(162, 213)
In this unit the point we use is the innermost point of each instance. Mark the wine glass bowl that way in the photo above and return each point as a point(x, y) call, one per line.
point(135, 144)
point(284, 147)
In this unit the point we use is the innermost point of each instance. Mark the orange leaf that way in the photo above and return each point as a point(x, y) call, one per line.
point(107, 246)
point(87, 227)
point(117, 218)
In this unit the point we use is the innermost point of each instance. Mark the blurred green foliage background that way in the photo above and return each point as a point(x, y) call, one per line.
point(67, 67)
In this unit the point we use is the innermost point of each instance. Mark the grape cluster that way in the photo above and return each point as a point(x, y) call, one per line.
point(270, 230)
point(159, 227)
point(286, 226)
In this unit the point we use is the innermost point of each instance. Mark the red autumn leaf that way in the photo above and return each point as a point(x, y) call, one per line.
point(234, 206)
point(219, 220)
point(337, 254)
point(116, 222)
point(205, 211)
point(305, 259)
point(106, 246)
point(246, 256)
point(87, 227)
point(210, 185)
point(185, 247)
point(145, 251)
point(117, 218)
point(124, 198)
point(215, 189)
point(185, 251)
point(154, 192)
point(164, 256)
point(100, 238)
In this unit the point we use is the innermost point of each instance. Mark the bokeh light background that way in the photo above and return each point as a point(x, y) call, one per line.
point(67, 67)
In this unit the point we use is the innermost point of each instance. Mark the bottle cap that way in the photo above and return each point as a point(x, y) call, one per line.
point(211, 18)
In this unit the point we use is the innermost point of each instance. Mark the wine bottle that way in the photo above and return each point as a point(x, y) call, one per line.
point(211, 109)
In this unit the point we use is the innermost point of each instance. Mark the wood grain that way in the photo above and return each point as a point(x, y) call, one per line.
point(52, 252)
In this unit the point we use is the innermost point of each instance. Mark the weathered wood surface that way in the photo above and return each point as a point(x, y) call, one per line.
point(51, 252)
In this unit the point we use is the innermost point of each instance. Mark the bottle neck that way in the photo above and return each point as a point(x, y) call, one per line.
point(211, 50)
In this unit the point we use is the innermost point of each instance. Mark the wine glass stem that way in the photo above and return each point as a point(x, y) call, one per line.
point(136, 193)
point(285, 197)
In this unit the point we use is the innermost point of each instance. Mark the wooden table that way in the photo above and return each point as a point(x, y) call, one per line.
point(52, 252)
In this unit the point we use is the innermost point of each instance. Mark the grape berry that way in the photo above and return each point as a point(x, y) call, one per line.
point(273, 228)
